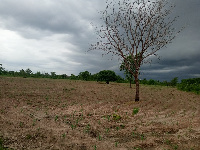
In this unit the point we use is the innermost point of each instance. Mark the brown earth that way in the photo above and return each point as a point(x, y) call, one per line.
point(79, 115)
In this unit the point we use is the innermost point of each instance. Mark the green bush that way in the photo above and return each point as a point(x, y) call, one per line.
point(190, 85)
point(135, 111)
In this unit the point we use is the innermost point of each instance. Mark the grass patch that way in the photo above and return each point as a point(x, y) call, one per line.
point(2, 145)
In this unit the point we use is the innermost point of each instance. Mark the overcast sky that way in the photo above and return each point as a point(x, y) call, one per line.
point(55, 35)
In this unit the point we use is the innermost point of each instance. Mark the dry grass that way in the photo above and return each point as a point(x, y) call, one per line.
point(64, 114)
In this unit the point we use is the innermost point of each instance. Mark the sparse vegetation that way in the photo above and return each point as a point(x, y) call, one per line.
point(96, 114)
point(135, 111)
point(2, 146)
point(116, 117)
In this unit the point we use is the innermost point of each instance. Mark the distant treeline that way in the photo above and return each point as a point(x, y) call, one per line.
point(105, 75)
point(189, 85)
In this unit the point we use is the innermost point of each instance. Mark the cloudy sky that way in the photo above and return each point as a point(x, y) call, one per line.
point(55, 35)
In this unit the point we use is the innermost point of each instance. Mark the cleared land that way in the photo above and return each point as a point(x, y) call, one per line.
point(65, 114)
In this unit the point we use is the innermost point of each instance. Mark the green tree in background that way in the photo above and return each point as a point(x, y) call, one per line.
point(38, 74)
point(127, 73)
point(28, 72)
point(131, 65)
point(22, 73)
point(1, 69)
point(85, 75)
point(53, 75)
point(73, 77)
point(174, 81)
point(94, 77)
point(107, 75)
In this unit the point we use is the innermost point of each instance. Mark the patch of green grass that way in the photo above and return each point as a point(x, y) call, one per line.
point(122, 126)
point(73, 126)
point(135, 111)
point(107, 130)
point(89, 114)
point(175, 147)
point(34, 122)
point(108, 117)
point(56, 118)
point(47, 98)
point(95, 147)
point(99, 137)
point(133, 134)
point(117, 128)
point(2, 146)
point(64, 135)
point(87, 128)
point(169, 142)
point(99, 122)
point(21, 124)
point(2, 111)
point(29, 103)
point(28, 136)
point(142, 137)
point(116, 144)
point(116, 117)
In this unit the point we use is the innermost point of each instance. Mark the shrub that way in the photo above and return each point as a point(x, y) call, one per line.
point(190, 85)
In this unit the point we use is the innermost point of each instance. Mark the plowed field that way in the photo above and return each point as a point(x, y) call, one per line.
point(79, 115)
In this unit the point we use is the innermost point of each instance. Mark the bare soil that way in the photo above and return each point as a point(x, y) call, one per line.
point(79, 115)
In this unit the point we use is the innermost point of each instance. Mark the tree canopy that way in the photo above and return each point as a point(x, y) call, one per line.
point(84, 75)
point(107, 75)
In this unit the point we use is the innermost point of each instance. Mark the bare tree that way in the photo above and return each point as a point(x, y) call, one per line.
point(137, 28)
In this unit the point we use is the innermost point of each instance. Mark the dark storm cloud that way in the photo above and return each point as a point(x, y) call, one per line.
point(181, 58)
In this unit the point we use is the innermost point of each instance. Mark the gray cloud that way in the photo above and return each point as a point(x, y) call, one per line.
point(55, 36)
point(65, 17)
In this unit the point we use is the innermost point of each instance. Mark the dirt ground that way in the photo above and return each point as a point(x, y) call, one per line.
point(79, 115)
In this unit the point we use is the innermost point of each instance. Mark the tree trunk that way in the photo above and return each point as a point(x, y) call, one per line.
point(131, 78)
point(137, 88)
